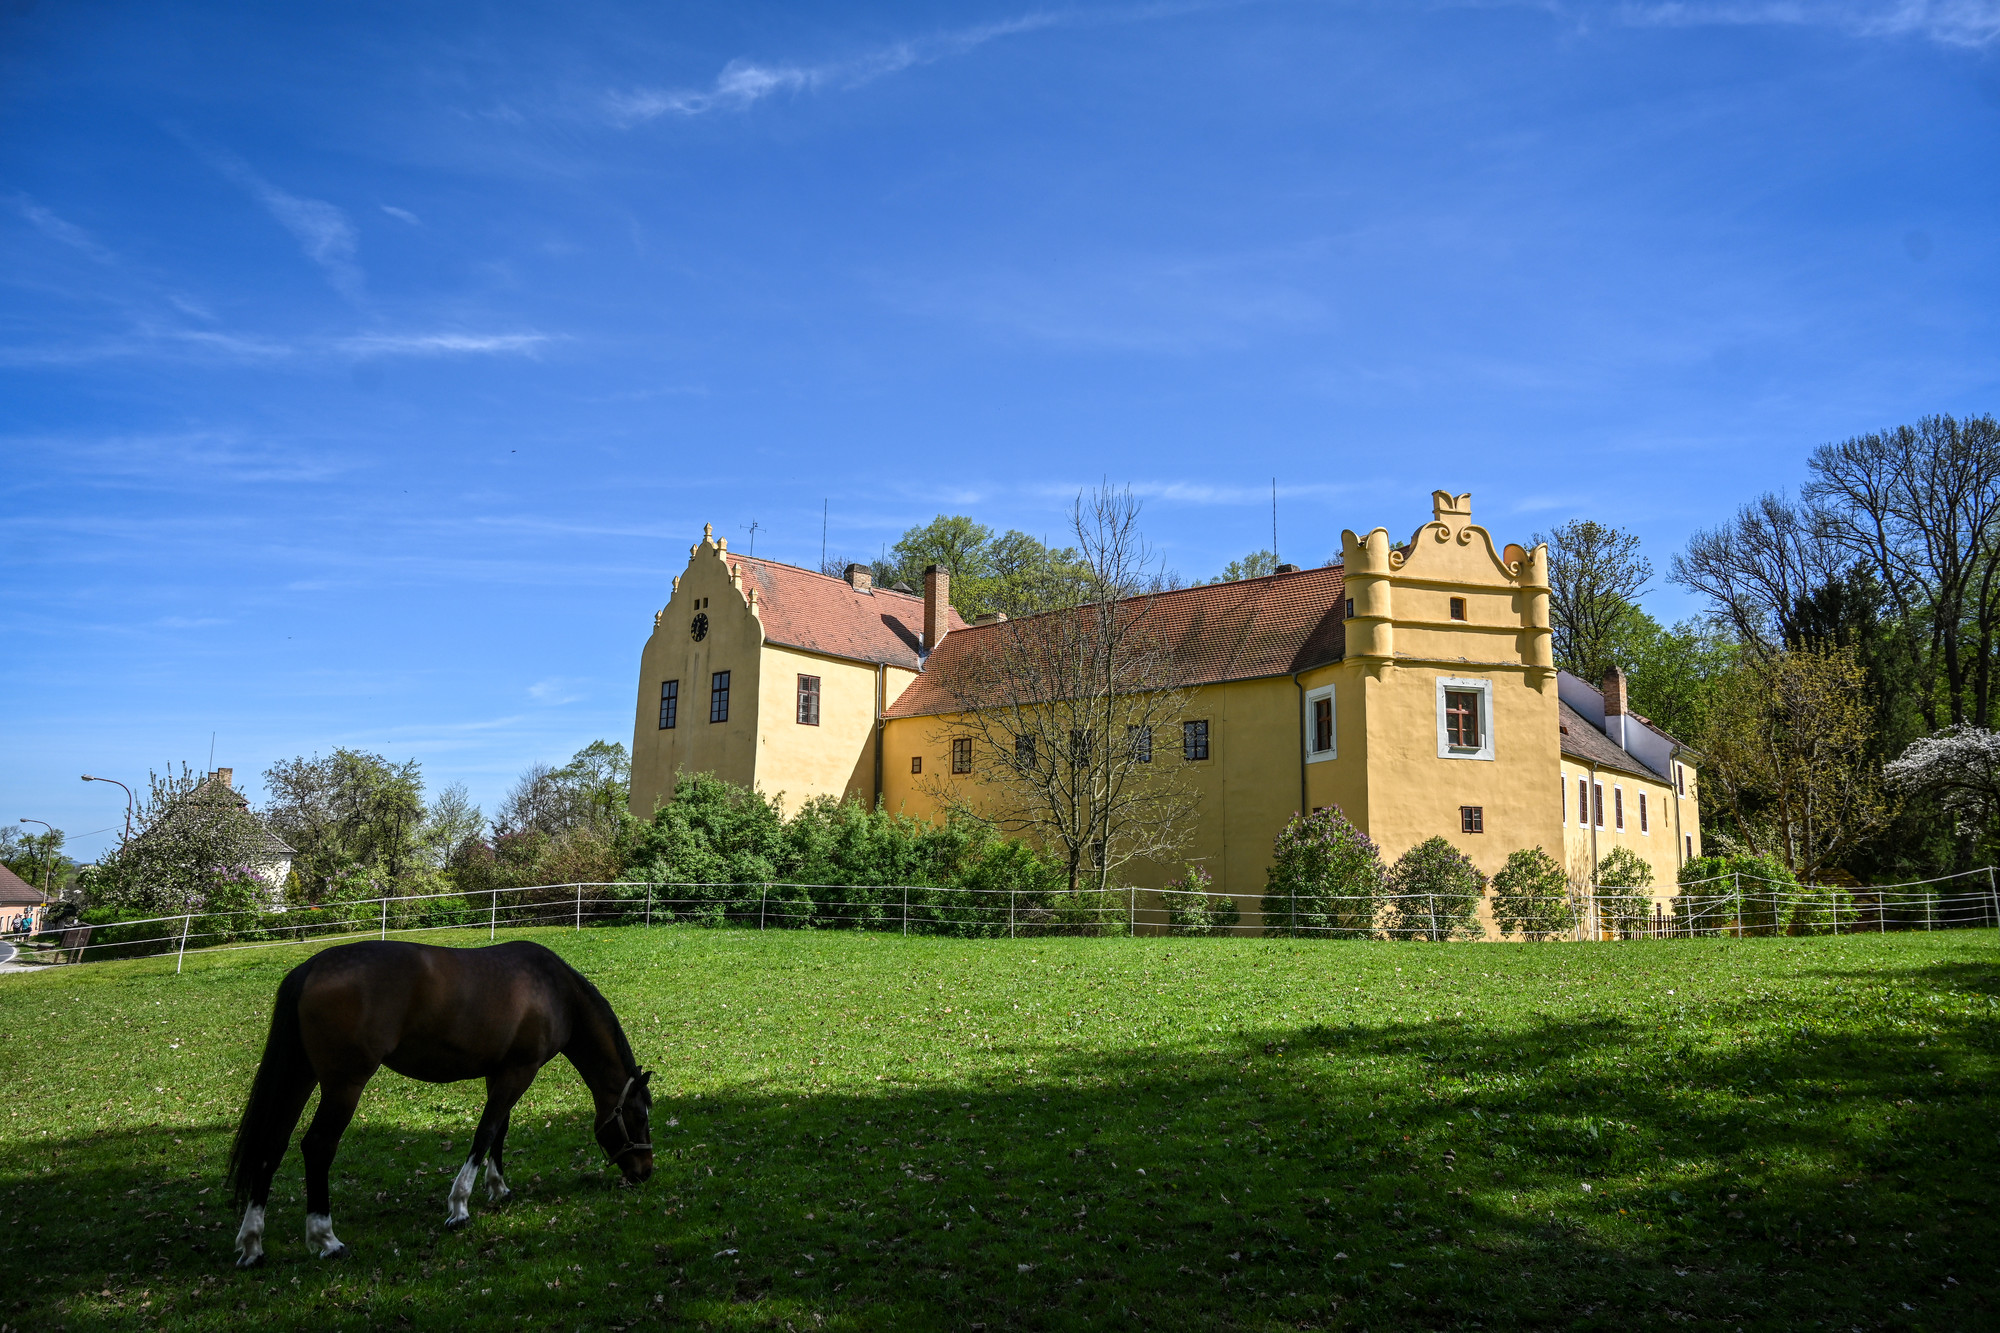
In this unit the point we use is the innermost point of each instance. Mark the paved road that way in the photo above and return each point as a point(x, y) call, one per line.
point(7, 952)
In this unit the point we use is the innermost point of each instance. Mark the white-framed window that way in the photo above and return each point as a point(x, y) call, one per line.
point(1322, 732)
point(1618, 806)
point(1563, 782)
point(1583, 802)
point(1464, 718)
point(1645, 823)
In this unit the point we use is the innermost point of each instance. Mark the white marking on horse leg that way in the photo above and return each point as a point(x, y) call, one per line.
point(319, 1236)
point(456, 1213)
point(496, 1184)
point(250, 1239)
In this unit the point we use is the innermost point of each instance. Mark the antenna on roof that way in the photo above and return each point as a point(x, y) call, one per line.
point(751, 528)
point(822, 536)
point(211, 752)
point(1274, 520)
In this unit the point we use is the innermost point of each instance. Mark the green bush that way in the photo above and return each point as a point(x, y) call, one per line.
point(1531, 896)
point(1436, 892)
point(1194, 909)
point(1623, 905)
point(1326, 879)
point(1744, 895)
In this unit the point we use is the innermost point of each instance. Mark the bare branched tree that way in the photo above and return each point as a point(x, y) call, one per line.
point(1072, 717)
point(1760, 570)
point(1921, 505)
point(1595, 577)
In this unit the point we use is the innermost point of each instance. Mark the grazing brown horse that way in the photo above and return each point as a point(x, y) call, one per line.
point(439, 1015)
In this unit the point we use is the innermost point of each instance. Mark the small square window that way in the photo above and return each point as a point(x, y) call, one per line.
point(1458, 608)
point(1194, 740)
point(1350, 608)
point(916, 763)
point(961, 754)
point(1472, 819)
point(670, 704)
point(808, 701)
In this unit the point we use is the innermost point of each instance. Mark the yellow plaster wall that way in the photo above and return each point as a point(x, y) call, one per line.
point(1672, 817)
point(832, 759)
point(734, 643)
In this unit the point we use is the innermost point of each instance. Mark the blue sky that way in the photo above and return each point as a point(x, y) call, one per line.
point(366, 370)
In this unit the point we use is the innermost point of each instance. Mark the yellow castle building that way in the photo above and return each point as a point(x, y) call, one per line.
point(1412, 685)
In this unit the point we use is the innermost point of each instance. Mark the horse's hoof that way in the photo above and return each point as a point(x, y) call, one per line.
point(249, 1261)
point(454, 1223)
point(337, 1252)
point(501, 1197)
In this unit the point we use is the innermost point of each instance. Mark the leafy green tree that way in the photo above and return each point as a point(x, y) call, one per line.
point(1326, 878)
point(1595, 577)
point(1435, 892)
point(1744, 894)
point(1531, 896)
point(1623, 904)
point(37, 857)
point(355, 820)
point(1011, 572)
point(1673, 673)
point(1252, 566)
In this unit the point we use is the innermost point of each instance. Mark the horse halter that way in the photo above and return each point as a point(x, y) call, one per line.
point(618, 1114)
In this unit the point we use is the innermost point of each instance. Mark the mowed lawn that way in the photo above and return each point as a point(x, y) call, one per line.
point(867, 1131)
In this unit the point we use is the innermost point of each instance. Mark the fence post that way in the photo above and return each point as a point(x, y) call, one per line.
point(1431, 902)
point(1993, 894)
point(186, 922)
point(763, 896)
point(1132, 910)
point(1930, 898)
point(1011, 894)
point(1738, 876)
point(493, 920)
point(649, 906)
point(385, 917)
point(906, 909)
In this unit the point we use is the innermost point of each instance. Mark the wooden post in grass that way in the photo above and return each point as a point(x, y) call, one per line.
point(385, 916)
point(1010, 912)
point(1430, 900)
point(763, 894)
point(1132, 910)
point(649, 906)
point(906, 909)
point(186, 922)
point(493, 921)
point(579, 907)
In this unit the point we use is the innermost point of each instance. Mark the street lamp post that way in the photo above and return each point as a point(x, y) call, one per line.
point(129, 801)
point(49, 864)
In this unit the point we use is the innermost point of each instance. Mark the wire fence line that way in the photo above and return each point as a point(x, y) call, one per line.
point(1735, 905)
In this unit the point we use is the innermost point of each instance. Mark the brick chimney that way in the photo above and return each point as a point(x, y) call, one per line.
point(227, 776)
point(1616, 706)
point(859, 576)
point(937, 606)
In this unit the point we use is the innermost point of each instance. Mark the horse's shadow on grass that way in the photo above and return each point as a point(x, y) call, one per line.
point(1416, 1175)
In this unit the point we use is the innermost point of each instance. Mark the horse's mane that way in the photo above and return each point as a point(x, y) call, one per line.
point(604, 1011)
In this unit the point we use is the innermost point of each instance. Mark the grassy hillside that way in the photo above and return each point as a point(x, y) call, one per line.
point(861, 1131)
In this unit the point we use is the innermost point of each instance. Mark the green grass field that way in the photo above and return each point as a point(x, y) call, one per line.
point(863, 1131)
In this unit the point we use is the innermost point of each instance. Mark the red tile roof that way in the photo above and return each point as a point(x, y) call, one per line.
point(1270, 626)
point(17, 892)
point(822, 614)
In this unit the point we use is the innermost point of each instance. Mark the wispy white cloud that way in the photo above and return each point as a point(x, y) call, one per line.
point(62, 232)
point(402, 215)
point(439, 344)
point(1969, 23)
point(744, 83)
point(556, 690)
point(323, 231)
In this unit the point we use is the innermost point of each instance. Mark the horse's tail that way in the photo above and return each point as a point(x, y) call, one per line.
point(265, 1129)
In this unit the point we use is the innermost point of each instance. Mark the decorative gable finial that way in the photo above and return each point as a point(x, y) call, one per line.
point(708, 532)
point(1444, 503)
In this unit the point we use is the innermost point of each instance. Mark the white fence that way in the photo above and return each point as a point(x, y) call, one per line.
point(1730, 906)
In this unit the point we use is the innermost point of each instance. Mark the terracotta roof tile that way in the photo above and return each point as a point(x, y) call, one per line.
point(1270, 626)
point(1583, 741)
point(822, 614)
point(17, 892)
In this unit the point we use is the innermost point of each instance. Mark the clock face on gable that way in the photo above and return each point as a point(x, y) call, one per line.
point(700, 626)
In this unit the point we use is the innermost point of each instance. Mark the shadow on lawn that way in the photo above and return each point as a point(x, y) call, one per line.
point(1578, 1174)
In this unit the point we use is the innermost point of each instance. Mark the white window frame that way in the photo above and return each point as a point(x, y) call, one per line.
point(1645, 816)
point(1484, 689)
point(1312, 697)
point(1618, 806)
